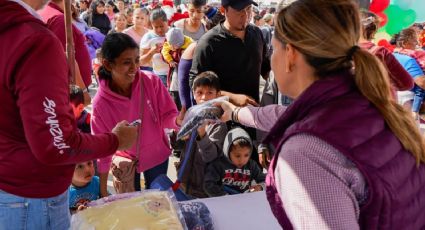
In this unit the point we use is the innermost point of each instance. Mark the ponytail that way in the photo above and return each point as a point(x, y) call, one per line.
point(332, 48)
point(373, 82)
point(104, 74)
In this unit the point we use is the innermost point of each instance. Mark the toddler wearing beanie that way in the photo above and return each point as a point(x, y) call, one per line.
point(173, 48)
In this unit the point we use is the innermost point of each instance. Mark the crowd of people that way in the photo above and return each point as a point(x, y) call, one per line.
point(333, 137)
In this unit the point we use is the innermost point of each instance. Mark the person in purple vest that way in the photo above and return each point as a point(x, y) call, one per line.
point(348, 156)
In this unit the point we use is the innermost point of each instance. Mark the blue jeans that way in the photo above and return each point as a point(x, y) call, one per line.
point(31, 213)
point(163, 79)
point(150, 175)
point(146, 68)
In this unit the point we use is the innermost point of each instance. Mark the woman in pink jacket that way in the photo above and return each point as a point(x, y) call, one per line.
point(126, 92)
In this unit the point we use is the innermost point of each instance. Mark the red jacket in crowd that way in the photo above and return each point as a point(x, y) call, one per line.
point(400, 79)
point(53, 16)
point(39, 141)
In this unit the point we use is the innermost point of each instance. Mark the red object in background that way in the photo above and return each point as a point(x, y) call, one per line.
point(383, 17)
point(422, 39)
point(177, 16)
point(378, 6)
point(385, 43)
point(155, 3)
point(168, 3)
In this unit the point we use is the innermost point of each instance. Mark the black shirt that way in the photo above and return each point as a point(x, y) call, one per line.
point(100, 21)
point(238, 63)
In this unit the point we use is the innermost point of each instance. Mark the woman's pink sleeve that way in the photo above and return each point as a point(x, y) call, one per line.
point(262, 118)
point(98, 126)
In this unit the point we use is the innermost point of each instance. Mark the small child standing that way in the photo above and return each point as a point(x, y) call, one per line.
point(81, 115)
point(174, 46)
point(234, 172)
point(172, 51)
point(84, 188)
point(209, 141)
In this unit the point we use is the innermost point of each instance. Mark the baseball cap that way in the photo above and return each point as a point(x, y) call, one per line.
point(238, 4)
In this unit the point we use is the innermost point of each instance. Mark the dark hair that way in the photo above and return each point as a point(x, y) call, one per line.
point(114, 7)
point(75, 13)
point(207, 79)
point(394, 39)
point(333, 48)
point(86, 2)
point(215, 20)
point(418, 25)
point(257, 18)
point(370, 24)
point(197, 3)
point(94, 5)
point(241, 143)
point(404, 36)
point(158, 14)
point(129, 11)
point(144, 10)
point(112, 47)
point(76, 95)
point(272, 10)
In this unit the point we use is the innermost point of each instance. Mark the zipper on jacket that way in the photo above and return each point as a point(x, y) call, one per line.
point(152, 111)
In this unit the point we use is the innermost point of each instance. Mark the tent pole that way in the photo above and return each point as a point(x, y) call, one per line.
point(70, 51)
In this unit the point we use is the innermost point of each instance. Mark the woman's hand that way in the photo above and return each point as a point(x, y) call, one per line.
point(227, 108)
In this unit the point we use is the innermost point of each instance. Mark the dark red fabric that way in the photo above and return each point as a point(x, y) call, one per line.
point(53, 16)
point(39, 141)
point(396, 185)
point(400, 78)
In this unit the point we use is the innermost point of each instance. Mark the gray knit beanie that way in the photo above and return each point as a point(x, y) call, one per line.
point(175, 37)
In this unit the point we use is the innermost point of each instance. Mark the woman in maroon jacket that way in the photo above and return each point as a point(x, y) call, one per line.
point(53, 16)
point(39, 141)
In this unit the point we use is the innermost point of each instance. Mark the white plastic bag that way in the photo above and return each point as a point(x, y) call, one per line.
point(199, 114)
point(149, 209)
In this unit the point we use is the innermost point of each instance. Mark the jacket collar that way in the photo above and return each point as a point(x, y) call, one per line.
point(320, 92)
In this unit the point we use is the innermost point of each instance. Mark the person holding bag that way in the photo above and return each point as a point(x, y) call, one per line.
point(126, 92)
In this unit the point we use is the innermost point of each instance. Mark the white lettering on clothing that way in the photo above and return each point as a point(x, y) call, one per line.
point(55, 130)
point(237, 177)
